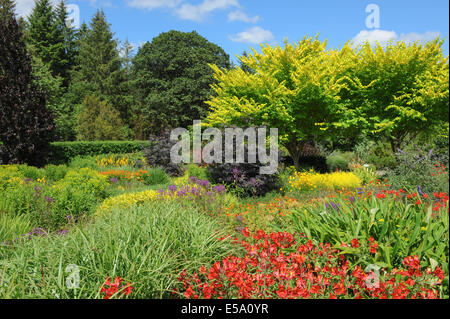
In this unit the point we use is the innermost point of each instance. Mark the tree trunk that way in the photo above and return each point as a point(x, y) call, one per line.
point(295, 148)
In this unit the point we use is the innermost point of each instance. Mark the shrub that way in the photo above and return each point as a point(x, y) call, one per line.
point(10, 176)
point(309, 181)
point(63, 152)
point(99, 121)
point(339, 161)
point(55, 172)
point(419, 169)
point(32, 172)
point(381, 156)
point(365, 173)
point(155, 176)
point(197, 171)
point(244, 179)
point(84, 179)
point(126, 201)
point(158, 154)
point(77, 194)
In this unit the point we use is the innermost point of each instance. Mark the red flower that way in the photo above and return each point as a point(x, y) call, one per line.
point(373, 248)
point(355, 243)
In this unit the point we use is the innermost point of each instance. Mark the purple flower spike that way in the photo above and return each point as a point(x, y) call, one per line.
point(49, 199)
point(419, 189)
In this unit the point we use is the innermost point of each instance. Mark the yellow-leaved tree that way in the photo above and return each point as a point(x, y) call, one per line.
point(295, 89)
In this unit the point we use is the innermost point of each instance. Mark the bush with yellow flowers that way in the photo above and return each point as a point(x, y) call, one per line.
point(127, 200)
point(310, 181)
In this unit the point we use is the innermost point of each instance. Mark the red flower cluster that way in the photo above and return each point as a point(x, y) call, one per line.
point(373, 245)
point(283, 265)
point(440, 201)
point(111, 288)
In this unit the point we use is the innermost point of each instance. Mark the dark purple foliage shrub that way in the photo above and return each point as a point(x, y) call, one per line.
point(244, 178)
point(26, 126)
point(158, 154)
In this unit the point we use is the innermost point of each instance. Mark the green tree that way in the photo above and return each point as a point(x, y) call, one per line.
point(173, 80)
point(99, 60)
point(98, 70)
point(295, 89)
point(99, 121)
point(26, 126)
point(46, 38)
point(69, 53)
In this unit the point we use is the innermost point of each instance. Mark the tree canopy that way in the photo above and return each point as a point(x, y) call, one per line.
point(311, 93)
point(172, 79)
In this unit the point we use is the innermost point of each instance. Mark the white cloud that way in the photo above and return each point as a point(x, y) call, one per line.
point(153, 4)
point(254, 35)
point(24, 7)
point(383, 37)
point(422, 37)
point(241, 16)
point(197, 12)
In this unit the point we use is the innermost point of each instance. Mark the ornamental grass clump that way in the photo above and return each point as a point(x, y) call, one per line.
point(147, 245)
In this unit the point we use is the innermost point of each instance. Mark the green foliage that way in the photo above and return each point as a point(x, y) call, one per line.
point(67, 59)
point(99, 121)
point(98, 72)
point(55, 172)
point(12, 227)
point(407, 89)
point(339, 161)
point(48, 205)
point(31, 172)
point(45, 37)
point(381, 155)
point(365, 173)
point(417, 168)
point(310, 93)
point(295, 89)
point(171, 73)
point(197, 171)
point(26, 125)
point(148, 246)
point(64, 152)
point(155, 176)
point(401, 230)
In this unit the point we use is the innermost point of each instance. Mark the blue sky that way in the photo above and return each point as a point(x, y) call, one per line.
point(238, 25)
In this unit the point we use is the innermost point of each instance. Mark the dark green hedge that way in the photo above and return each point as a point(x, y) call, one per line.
point(62, 152)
